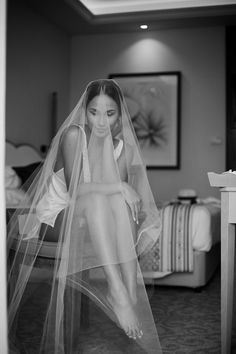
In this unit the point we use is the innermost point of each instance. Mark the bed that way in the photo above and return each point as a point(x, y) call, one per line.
point(21, 161)
point(188, 250)
point(202, 239)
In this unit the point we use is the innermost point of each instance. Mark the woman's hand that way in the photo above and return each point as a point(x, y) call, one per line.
point(132, 199)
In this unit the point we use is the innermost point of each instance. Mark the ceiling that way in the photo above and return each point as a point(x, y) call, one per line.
point(113, 16)
point(104, 7)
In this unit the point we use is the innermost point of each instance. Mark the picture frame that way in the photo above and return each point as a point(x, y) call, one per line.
point(153, 101)
point(231, 101)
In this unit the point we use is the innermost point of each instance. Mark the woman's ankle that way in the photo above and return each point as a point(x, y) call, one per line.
point(119, 294)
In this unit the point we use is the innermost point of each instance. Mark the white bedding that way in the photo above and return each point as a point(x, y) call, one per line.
point(172, 252)
point(22, 155)
point(13, 194)
point(12, 181)
point(206, 226)
point(14, 197)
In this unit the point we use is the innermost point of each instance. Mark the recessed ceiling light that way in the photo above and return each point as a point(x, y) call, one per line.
point(144, 27)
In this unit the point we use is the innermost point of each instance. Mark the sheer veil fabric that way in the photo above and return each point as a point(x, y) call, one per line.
point(92, 201)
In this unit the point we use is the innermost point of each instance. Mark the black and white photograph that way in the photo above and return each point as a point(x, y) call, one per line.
point(118, 177)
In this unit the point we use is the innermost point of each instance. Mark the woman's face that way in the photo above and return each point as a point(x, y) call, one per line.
point(102, 114)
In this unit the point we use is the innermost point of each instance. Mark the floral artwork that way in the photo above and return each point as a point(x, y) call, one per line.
point(154, 106)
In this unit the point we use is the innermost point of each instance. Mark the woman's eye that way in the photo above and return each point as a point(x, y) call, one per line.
point(92, 112)
point(110, 113)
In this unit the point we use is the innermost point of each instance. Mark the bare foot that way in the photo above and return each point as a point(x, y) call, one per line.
point(121, 305)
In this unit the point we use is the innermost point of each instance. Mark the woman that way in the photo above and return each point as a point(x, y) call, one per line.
point(93, 199)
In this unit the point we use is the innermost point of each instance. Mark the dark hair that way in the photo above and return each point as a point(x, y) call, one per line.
point(107, 87)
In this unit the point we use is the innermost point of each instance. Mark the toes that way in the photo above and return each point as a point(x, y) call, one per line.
point(134, 333)
point(139, 333)
point(129, 333)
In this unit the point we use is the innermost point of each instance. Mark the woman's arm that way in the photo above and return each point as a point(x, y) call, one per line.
point(71, 148)
point(130, 193)
point(72, 145)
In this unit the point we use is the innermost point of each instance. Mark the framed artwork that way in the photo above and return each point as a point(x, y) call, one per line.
point(153, 101)
point(231, 100)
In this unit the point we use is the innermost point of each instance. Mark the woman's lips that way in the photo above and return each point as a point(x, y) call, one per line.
point(101, 130)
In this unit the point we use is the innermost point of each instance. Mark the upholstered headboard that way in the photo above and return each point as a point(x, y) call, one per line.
point(21, 155)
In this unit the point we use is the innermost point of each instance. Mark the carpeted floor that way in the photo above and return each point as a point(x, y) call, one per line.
point(188, 322)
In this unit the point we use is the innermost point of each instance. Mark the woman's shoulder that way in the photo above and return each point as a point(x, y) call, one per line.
point(73, 131)
point(72, 135)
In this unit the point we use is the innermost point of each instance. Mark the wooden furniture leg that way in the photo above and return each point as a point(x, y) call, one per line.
point(227, 270)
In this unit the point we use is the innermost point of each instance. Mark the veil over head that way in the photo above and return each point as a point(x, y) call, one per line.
point(78, 229)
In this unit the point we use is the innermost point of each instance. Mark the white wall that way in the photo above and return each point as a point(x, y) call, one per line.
point(37, 64)
point(199, 54)
point(3, 272)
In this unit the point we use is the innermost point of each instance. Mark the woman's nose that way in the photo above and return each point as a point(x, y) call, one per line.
point(102, 120)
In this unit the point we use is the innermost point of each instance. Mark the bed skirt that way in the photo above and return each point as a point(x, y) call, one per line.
point(205, 264)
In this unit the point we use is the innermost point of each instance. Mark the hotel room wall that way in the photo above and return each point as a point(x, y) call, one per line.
point(199, 53)
point(37, 64)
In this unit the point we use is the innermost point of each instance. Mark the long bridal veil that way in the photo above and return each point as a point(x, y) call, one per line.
point(73, 236)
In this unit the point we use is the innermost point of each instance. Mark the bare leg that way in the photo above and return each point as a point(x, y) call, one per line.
point(102, 225)
point(129, 272)
point(129, 275)
point(128, 269)
point(102, 229)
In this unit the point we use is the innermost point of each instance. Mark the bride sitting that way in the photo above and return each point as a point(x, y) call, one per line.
point(93, 198)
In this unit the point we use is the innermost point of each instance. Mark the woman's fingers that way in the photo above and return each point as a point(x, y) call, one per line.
point(132, 208)
point(134, 203)
point(136, 207)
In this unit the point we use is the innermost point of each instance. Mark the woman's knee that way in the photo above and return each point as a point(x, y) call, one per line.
point(98, 203)
point(92, 203)
point(118, 204)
